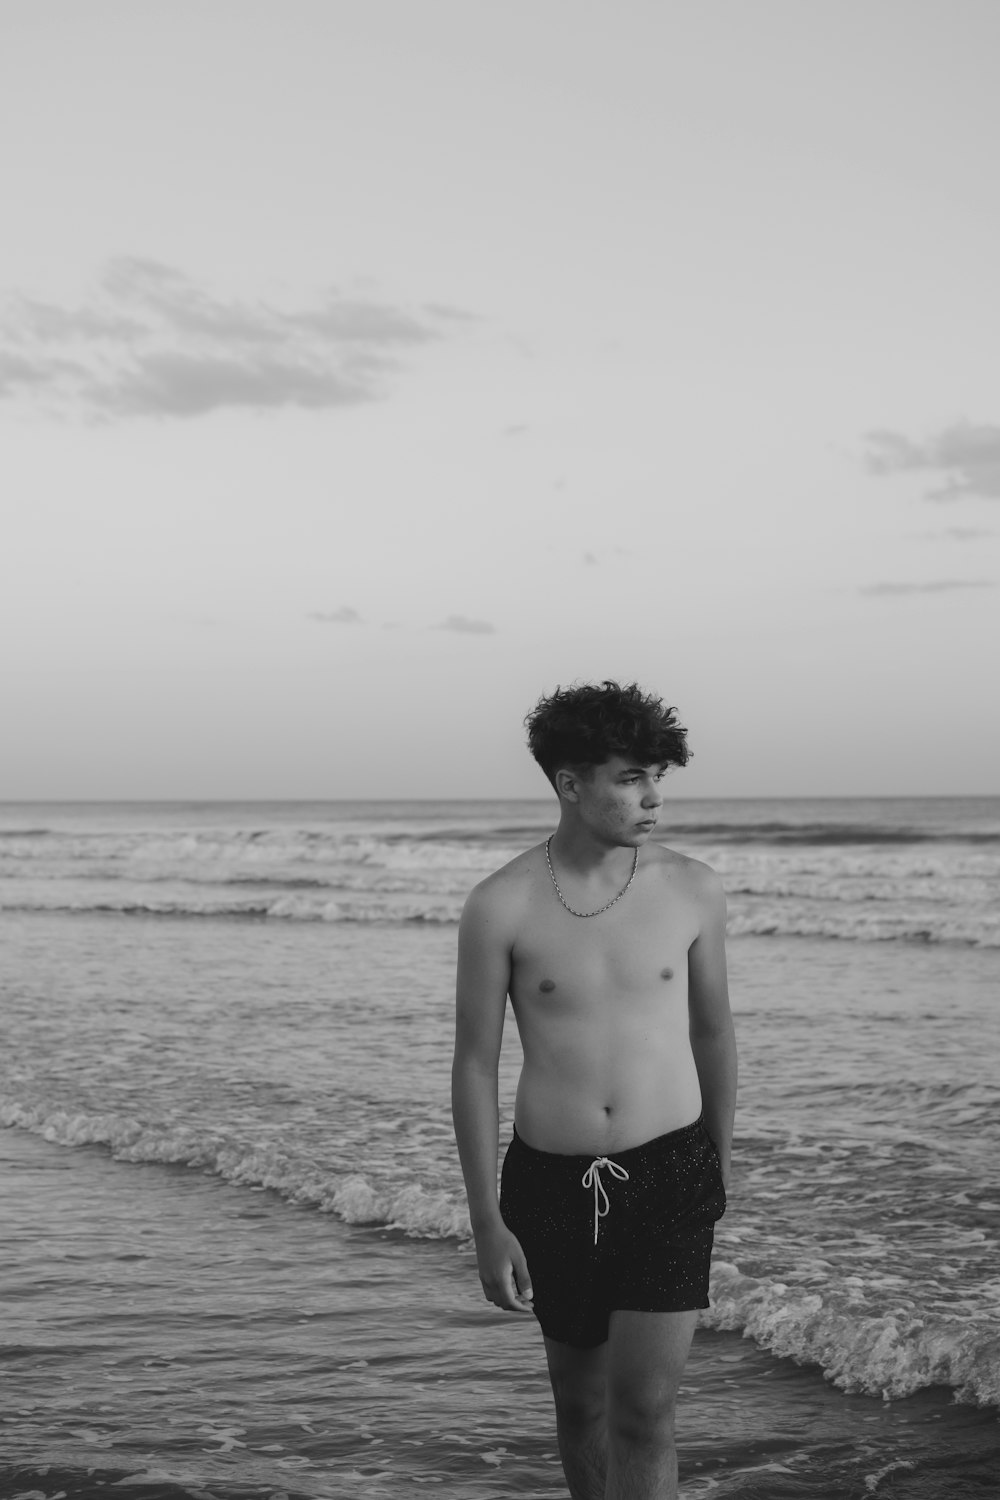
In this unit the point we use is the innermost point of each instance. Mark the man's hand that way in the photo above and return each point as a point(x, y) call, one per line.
point(503, 1269)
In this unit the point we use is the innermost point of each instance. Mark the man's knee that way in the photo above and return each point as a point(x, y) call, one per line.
point(641, 1413)
point(647, 1354)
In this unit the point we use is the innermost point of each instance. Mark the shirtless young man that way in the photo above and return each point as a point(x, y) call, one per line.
point(612, 949)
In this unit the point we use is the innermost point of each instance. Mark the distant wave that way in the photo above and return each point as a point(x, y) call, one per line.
point(892, 1354)
point(178, 852)
point(839, 878)
point(765, 832)
point(307, 903)
point(522, 835)
point(779, 834)
point(828, 833)
point(865, 927)
point(280, 907)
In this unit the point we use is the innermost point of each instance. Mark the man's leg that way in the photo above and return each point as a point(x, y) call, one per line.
point(646, 1357)
point(579, 1386)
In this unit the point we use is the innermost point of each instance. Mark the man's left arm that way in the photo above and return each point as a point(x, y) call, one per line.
point(713, 1039)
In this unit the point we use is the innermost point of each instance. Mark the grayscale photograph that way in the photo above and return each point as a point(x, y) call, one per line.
point(500, 753)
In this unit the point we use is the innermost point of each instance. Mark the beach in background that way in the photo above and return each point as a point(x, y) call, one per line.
point(237, 1258)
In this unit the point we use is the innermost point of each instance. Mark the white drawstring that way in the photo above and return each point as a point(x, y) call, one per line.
point(592, 1178)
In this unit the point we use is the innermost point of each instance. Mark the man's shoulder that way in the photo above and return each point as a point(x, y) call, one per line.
point(507, 889)
point(694, 876)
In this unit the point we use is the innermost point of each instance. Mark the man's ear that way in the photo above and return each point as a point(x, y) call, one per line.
point(568, 785)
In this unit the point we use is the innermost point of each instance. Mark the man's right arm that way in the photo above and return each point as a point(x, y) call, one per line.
point(484, 947)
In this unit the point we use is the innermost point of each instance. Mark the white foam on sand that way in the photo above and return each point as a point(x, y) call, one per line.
point(859, 1347)
point(892, 1354)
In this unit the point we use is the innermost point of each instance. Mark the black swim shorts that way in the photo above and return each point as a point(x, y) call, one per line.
point(632, 1231)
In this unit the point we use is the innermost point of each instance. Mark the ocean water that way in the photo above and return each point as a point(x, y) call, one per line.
point(236, 1245)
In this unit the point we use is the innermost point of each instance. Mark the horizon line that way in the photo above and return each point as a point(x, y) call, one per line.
point(62, 801)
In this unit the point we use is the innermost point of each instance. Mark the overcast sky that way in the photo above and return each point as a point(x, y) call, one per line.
point(369, 367)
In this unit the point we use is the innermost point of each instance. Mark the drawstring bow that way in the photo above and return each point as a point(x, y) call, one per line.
point(592, 1178)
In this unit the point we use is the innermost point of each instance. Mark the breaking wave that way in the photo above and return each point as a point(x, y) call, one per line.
point(834, 919)
point(892, 1354)
point(888, 879)
point(352, 1197)
point(886, 1351)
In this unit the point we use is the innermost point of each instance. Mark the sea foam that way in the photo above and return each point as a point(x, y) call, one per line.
point(375, 906)
point(934, 890)
point(891, 1353)
point(352, 1197)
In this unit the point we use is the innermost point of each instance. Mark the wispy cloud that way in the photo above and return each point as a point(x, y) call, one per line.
point(447, 311)
point(151, 341)
point(928, 586)
point(965, 458)
point(951, 534)
point(462, 625)
point(345, 615)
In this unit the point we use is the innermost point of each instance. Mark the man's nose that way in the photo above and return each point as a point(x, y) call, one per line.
point(653, 797)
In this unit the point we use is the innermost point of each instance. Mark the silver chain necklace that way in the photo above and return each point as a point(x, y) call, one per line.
point(562, 898)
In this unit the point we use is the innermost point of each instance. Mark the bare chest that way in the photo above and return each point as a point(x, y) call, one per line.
point(635, 952)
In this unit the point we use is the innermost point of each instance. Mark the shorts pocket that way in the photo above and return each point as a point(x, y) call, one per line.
point(711, 1142)
point(717, 1160)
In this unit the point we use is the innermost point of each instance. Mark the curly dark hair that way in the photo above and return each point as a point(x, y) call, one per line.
point(583, 726)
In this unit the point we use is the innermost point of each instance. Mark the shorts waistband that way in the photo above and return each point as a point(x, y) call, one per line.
point(673, 1139)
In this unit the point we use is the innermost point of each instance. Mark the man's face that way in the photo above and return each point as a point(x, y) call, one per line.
point(620, 800)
